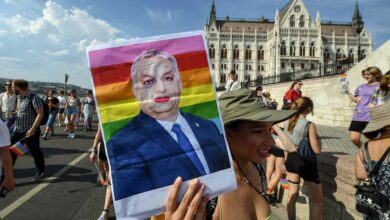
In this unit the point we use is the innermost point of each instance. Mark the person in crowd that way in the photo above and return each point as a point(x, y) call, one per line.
point(98, 150)
point(233, 83)
point(161, 130)
point(260, 95)
point(73, 107)
point(298, 167)
point(378, 133)
point(45, 96)
point(382, 93)
point(7, 181)
point(53, 104)
point(272, 104)
point(293, 93)
point(28, 118)
point(8, 104)
point(62, 101)
point(88, 106)
point(248, 124)
point(361, 97)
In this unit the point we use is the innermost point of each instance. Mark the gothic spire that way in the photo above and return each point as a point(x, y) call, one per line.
point(356, 14)
point(213, 14)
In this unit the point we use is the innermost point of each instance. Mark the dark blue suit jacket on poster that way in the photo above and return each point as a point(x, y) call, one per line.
point(144, 156)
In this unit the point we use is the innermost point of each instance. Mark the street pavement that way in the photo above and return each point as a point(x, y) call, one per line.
point(70, 189)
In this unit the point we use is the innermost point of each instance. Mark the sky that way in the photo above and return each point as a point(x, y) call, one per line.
point(42, 40)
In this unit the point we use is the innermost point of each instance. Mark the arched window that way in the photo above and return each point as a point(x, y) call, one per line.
point(260, 53)
point(212, 51)
point(224, 52)
point(292, 49)
point(326, 55)
point(223, 78)
point(302, 21)
point(302, 49)
point(292, 21)
point(312, 50)
point(339, 55)
point(350, 54)
point(363, 54)
point(283, 50)
point(248, 53)
point(236, 52)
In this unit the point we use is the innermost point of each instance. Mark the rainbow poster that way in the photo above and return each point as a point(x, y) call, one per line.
point(159, 113)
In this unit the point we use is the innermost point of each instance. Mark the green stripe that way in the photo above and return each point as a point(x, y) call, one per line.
point(207, 110)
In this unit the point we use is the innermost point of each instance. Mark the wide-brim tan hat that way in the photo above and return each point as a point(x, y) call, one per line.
point(380, 118)
point(242, 104)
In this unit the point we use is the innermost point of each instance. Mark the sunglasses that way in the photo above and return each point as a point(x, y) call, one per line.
point(8, 84)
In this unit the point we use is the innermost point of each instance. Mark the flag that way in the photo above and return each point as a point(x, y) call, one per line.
point(19, 148)
point(283, 183)
point(343, 77)
point(66, 78)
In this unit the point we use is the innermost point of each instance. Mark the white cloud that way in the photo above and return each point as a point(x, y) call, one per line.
point(162, 16)
point(57, 53)
point(9, 59)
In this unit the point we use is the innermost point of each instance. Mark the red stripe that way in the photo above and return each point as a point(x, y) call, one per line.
point(121, 72)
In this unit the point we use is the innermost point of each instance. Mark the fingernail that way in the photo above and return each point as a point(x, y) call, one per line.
point(178, 179)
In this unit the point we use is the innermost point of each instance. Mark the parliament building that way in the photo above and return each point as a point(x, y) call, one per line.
point(292, 42)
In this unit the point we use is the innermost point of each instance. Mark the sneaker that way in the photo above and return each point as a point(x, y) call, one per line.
point(73, 135)
point(38, 176)
point(103, 216)
point(69, 135)
point(44, 137)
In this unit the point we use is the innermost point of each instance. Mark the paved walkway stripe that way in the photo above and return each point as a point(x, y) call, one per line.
point(38, 188)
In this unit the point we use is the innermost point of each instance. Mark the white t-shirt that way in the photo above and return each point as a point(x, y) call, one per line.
point(62, 101)
point(4, 139)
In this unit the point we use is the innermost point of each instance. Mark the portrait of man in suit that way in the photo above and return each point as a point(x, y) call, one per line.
point(162, 142)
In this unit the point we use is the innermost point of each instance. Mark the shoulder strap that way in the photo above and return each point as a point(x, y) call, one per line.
point(306, 131)
point(367, 156)
point(379, 163)
point(231, 85)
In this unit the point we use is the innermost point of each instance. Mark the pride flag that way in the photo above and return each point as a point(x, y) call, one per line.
point(19, 148)
point(283, 183)
point(343, 77)
point(110, 69)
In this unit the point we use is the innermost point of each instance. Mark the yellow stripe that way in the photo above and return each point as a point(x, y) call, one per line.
point(129, 108)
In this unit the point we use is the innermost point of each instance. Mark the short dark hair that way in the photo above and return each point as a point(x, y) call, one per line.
point(232, 72)
point(21, 83)
point(259, 88)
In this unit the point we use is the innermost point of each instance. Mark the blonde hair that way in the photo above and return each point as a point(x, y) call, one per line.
point(302, 105)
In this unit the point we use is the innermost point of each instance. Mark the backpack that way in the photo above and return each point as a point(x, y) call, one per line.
point(45, 109)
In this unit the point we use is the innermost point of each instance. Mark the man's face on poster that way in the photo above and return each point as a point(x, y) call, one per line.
point(158, 88)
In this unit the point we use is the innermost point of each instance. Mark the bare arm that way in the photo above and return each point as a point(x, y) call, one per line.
point(360, 171)
point(313, 138)
point(9, 180)
point(287, 144)
point(38, 119)
point(355, 99)
point(95, 145)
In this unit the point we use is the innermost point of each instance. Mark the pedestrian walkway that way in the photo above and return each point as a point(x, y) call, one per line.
point(335, 140)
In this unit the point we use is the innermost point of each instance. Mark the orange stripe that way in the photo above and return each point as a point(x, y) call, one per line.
point(123, 90)
point(121, 72)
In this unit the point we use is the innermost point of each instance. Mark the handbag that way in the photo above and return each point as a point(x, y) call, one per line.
point(304, 147)
point(369, 200)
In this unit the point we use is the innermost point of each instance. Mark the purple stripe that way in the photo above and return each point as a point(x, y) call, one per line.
point(126, 54)
point(21, 147)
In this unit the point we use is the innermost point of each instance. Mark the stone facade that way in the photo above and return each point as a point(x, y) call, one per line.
point(290, 42)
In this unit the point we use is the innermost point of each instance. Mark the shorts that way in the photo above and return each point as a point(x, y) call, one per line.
point(61, 110)
point(358, 126)
point(102, 151)
point(73, 111)
point(306, 170)
point(277, 152)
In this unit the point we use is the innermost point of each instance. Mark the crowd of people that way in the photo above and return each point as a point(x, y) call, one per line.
point(266, 145)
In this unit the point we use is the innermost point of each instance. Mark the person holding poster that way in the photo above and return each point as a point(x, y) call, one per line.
point(162, 142)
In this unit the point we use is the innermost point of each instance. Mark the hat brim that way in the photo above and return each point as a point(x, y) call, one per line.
point(375, 125)
point(274, 116)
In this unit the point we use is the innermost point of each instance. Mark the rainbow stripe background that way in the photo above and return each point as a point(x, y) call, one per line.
point(110, 69)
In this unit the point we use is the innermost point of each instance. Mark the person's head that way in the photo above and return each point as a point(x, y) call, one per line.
point(372, 74)
point(296, 85)
point(267, 94)
point(259, 91)
point(233, 75)
point(303, 105)
point(8, 86)
point(20, 86)
point(89, 93)
point(380, 122)
point(73, 93)
point(51, 93)
point(248, 122)
point(157, 84)
point(61, 93)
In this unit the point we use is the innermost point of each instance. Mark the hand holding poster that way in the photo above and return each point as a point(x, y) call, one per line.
point(157, 106)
